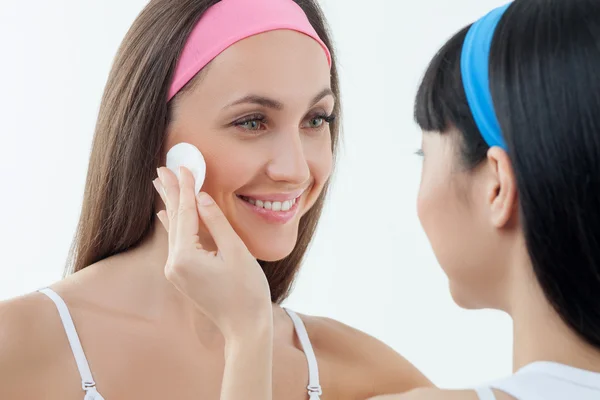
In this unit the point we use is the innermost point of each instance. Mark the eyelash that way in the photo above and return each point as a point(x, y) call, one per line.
point(419, 152)
point(327, 119)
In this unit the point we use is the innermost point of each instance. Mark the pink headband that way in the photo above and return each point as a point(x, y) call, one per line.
point(230, 21)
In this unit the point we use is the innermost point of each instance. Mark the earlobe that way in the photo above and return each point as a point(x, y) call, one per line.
point(503, 193)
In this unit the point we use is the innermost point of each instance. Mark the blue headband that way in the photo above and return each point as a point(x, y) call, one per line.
point(474, 67)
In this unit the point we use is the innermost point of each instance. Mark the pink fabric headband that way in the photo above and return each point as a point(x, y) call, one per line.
point(230, 21)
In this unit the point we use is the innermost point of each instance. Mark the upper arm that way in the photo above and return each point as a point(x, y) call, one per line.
point(438, 394)
point(388, 371)
point(368, 366)
point(13, 333)
point(24, 350)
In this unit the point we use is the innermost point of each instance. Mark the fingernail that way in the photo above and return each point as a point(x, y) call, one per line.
point(159, 173)
point(204, 199)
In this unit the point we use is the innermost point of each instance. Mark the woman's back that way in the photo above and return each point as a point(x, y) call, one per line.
point(537, 381)
point(549, 381)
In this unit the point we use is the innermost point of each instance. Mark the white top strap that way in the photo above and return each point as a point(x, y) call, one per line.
point(314, 387)
point(485, 393)
point(87, 381)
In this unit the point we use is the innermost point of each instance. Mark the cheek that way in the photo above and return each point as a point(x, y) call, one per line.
point(429, 203)
point(458, 239)
point(228, 169)
point(444, 220)
point(319, 158)
point(229, 164)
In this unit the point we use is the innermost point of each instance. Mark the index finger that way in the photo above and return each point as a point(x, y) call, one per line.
point(187, 215)
point(171, 187)
point(225, 237)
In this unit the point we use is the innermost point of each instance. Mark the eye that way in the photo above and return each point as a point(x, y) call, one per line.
point(318, 121)
point(252, 123)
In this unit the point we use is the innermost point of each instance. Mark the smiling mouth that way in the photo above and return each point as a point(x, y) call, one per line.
point(276, 206)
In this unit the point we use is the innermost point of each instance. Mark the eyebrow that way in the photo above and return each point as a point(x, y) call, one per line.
point(274, 104)
point(322, 94)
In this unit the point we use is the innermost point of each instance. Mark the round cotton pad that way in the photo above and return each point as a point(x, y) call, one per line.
point(187, 155)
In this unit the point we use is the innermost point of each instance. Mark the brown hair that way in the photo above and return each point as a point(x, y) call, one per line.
point(118, 204)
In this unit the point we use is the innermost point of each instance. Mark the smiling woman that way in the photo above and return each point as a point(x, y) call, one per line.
point(263, 133)
point(263, 110)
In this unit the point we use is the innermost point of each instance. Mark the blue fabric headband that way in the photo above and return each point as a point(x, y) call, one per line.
point(474, 66)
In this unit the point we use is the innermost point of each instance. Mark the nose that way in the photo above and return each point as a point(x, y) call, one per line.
point(289, 163)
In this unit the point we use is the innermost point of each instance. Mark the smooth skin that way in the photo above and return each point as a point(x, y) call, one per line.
point(437, 394)
point(249, 339)
point(472, 219)
point(485, 201)
point(143, 329)
point(236, 295)
point(237, 299)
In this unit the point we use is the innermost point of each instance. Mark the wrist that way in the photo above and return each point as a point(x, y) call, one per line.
point(257, 333)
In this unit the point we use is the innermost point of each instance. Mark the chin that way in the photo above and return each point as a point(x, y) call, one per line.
point(464, 298)
point(272, 249)
point(459, 299)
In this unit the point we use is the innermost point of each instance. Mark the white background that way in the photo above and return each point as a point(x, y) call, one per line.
point(370, 266)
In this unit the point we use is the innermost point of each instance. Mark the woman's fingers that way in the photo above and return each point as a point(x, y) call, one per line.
point(160, 190)
point(162, 215)
point(170, 184)
point(223, 234)
point(187, 219)
point(164, 220)
point(183, 213)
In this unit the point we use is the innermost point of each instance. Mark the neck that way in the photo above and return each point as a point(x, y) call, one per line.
point(539, 333)
point(141, 272)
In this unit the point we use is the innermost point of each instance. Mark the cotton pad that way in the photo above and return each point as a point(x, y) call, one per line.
point(187, 155)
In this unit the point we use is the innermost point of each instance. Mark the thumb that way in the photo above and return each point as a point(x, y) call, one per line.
point(225, 237)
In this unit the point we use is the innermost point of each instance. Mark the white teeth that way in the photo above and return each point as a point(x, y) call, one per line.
point(271, 205)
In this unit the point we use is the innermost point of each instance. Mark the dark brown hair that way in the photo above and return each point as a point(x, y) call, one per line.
point(118, 204)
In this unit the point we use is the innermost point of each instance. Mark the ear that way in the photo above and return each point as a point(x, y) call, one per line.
point(502, 191)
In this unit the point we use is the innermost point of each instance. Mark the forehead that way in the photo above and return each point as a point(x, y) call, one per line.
point(283, 63)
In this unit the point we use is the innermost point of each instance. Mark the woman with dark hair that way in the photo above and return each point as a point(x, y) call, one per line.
point(253, 84)
point(510, 189)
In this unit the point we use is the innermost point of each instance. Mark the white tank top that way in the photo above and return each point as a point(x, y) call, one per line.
point(89, 386)
point(547, 381)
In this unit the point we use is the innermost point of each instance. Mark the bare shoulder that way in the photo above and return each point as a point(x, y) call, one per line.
point(438, 394)
point(29, 343)
point(24, 329)
point(360, 363)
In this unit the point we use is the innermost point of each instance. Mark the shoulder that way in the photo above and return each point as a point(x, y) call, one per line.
point(365, 364)
point(29, 342)
point(24, 327)
point(438, 394)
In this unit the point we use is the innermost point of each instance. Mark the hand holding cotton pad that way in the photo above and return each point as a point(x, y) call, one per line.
point(187, 155)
